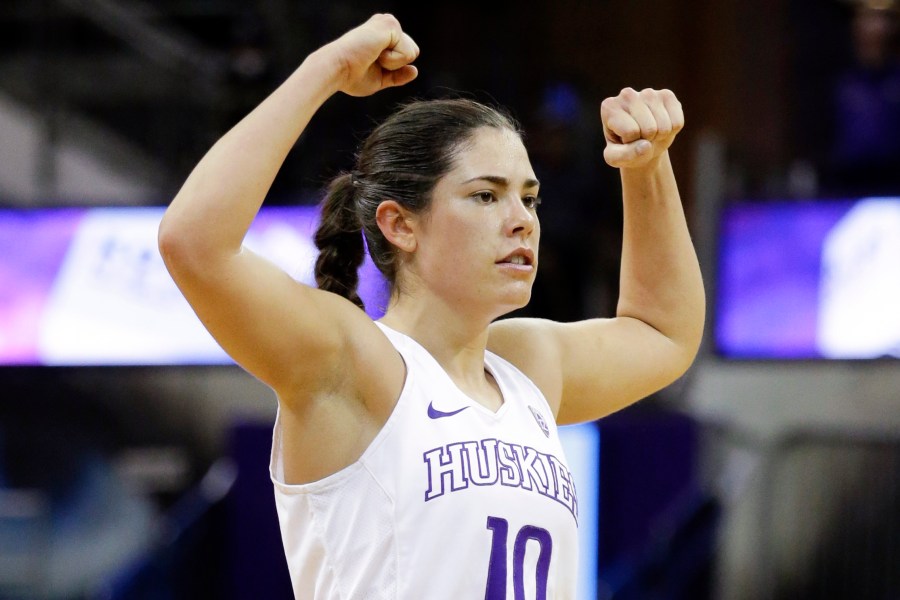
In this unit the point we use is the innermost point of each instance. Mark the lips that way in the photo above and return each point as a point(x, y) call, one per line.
point(519, 256)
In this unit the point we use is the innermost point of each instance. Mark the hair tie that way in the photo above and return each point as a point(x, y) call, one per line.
point(356, 178)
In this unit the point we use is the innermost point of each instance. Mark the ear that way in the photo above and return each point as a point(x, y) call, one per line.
point(395, 223)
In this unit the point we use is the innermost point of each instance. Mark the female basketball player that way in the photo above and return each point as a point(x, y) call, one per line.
point(418, 457)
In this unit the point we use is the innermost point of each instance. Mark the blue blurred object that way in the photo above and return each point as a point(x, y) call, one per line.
point(186, 557)
point(561, 104)
point(256, 563)
point(657, 529)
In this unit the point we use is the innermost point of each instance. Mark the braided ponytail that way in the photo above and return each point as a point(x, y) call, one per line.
point(340, 242)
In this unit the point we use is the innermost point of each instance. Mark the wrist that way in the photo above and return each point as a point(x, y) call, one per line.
point(656, 164)
point(326, 69)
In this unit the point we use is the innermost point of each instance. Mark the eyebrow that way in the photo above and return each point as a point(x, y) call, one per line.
point(502, 181)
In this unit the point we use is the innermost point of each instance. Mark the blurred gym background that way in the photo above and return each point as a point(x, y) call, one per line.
point(772, 470)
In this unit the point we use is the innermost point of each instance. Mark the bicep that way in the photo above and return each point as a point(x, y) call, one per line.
point(608, 364)
point(276, 328)
point(589, 369)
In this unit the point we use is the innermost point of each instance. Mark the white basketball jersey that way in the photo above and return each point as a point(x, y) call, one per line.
point(450, 501)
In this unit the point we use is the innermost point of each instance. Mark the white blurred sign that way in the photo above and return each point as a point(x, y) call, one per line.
point(859, 304)
point(113, 302)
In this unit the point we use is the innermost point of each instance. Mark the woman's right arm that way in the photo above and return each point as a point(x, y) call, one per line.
point(277, 329)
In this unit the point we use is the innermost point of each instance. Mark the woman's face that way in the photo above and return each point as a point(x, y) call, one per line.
point(477, 245)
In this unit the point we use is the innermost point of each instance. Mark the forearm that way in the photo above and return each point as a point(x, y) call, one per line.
point(660, 281)
point(217, 203)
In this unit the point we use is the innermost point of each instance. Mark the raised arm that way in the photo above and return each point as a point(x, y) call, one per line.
point(277, 329)
point(661, 306)
point(591, 368)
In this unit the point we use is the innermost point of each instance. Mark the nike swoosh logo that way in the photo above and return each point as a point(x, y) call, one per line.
point(439, 414)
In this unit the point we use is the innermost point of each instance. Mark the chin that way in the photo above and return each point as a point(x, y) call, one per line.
point(515, 301)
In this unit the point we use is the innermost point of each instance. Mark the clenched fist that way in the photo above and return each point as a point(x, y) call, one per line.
point(375, 55)
point(639, 126)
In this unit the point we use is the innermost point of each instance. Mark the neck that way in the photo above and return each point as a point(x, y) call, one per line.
point(457, 340)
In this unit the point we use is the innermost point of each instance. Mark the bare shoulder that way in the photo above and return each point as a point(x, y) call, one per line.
point(531, 345)
point(348, 391)
point(591, 367)
point(380, 368)
point(359, 364)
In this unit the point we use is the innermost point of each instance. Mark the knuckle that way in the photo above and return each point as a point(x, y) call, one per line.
point(630, 132)
point(608, 107)
point(651, 97)
point(628, 93)
point(388, 20)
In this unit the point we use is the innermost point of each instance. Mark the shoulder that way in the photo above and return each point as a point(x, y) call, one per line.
point(529, 345)
point(358, 364)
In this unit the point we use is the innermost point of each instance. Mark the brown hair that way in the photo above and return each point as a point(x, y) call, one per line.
point(402, 160)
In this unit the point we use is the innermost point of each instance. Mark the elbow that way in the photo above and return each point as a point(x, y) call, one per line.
point(689, 355)
point(684, 338)
point(689, 343)
point(170, 241)
point(181, 249)
point(687, 331)
point(190, 250)
point(678, 360)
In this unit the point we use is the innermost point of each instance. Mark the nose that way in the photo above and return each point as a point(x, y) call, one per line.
point(520, 220)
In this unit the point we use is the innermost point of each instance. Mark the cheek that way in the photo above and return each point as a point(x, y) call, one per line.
point(461, 240)
point(459, 236)
point(440, 246)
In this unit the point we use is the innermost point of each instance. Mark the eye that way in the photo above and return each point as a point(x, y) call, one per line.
point(485, 197)
point(531, 201)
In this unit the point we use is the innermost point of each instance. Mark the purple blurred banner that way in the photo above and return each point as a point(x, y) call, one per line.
point(809, 280)
point(88, 287)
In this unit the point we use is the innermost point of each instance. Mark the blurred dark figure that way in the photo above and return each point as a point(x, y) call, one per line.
point(865, 155)
point(580, 213)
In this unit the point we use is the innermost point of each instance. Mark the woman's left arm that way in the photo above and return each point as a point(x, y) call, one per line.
point(591, 368)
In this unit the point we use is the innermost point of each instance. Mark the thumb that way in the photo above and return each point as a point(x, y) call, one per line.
point(400, 76)
point(626, 155)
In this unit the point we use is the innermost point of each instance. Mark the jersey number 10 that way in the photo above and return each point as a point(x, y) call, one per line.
point(497, 569)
